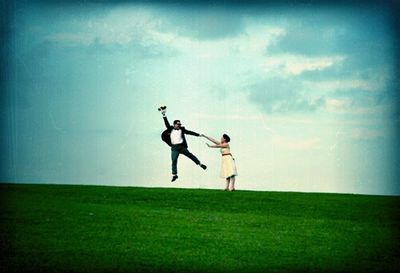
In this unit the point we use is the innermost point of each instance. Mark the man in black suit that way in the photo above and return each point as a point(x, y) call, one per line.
point(174, 136)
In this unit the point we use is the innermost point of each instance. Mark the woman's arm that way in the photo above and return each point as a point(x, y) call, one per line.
point(224, 145)
point(212, 140)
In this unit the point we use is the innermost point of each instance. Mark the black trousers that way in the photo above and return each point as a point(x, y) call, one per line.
point(178, 149)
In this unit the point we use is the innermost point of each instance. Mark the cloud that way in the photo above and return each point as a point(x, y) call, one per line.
point(203, 23)
point(298, 64)
point(280, 95)
point(360, 38)
point(338, 105)
point(207, 33)
point(304, 40)
point(335, 31)
point(359, 100)
point(132, 29)
point(316, 57)
point(346, 85)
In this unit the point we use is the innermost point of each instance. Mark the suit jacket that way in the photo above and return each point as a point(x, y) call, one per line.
point(166, 135)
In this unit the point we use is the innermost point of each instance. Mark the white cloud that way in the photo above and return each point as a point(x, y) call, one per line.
point(338, 105)
point(250, 44)
point(297, 64)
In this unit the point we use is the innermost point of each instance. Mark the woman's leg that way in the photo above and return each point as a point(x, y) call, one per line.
point(227, 184)
point(232, 183)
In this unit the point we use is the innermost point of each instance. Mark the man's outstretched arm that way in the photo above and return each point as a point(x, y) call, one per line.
point(191, 133)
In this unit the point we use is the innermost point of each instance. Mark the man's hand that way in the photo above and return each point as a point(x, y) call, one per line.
point(163, 110)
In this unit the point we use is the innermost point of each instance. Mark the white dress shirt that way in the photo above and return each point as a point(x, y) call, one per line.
point(176, 137)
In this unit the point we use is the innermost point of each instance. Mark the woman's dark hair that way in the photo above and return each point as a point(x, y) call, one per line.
point(226, 137)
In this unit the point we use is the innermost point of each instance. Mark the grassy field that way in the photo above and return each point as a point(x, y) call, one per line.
point(55, 228)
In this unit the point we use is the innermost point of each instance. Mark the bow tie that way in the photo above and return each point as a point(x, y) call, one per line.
point(176, 129)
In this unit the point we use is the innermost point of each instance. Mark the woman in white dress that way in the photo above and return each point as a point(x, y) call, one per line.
point(228, 166)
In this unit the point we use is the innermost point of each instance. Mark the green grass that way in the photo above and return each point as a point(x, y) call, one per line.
point(122, 229)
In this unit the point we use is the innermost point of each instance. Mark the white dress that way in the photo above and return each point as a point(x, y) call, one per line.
point(228, 166)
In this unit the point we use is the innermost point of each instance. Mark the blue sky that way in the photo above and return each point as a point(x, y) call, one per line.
point(308, 94)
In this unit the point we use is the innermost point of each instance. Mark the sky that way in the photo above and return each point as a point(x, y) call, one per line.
point(308, 93)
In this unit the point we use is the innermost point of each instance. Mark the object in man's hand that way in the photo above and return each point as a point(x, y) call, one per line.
point(162, 108)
